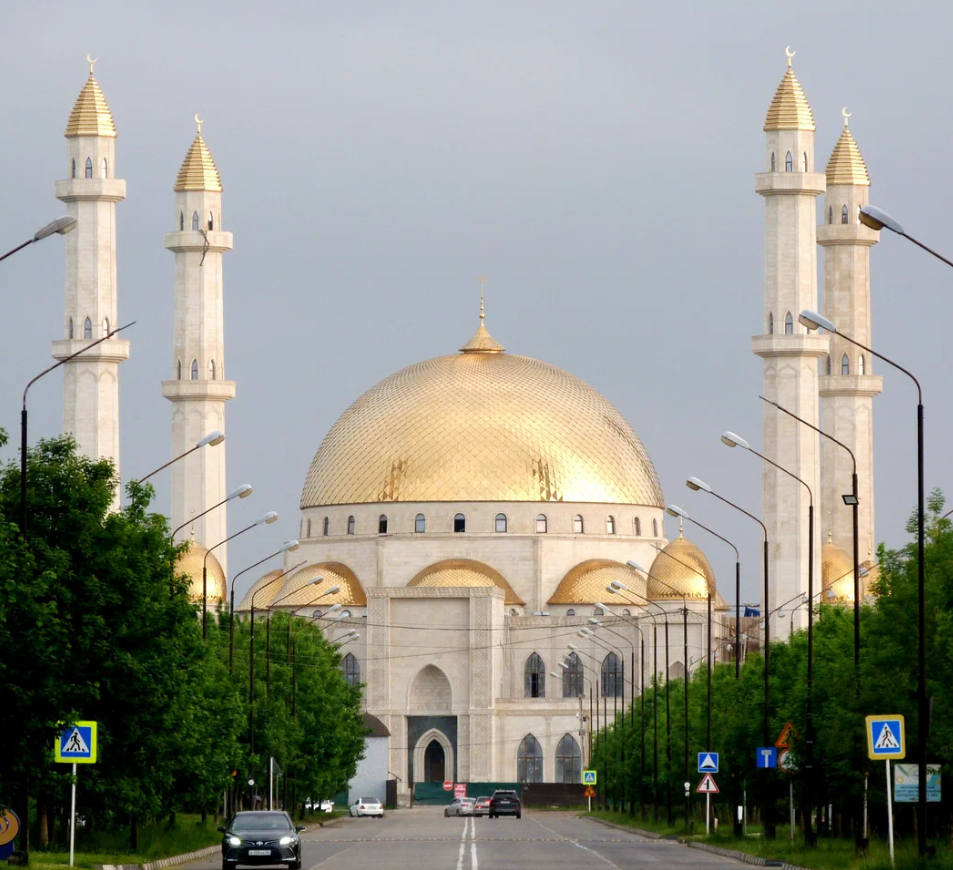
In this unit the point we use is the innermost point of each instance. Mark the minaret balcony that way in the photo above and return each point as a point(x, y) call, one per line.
point(799, 344)
point(850, 385)
point(99, 189)
point(185, 391)
point(846, 234)
point(192, 240)
point(112, 350)
point(790, 183)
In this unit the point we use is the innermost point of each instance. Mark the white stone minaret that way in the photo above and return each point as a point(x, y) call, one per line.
point(848, 384)
point(198, 389)
point(790, 187)
point(91, 191)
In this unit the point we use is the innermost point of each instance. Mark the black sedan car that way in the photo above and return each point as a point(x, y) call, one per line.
point(505, 802)
point(263, 837)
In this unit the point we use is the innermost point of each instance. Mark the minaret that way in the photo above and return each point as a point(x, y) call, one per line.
point(848, 384)
point(198, 389)
point(790, 353)
point(91, 191)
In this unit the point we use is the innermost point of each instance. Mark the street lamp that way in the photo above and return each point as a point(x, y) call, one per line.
point(813, 320)
point(61, 225)
point(572, 688)
point(213, 439)
point(877, 219)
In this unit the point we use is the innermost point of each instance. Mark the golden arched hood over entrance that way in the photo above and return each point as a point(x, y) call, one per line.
point(481, 425)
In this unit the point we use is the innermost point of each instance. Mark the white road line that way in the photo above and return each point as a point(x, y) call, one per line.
point(463, 845)
point(577, 843)
point(474, 864)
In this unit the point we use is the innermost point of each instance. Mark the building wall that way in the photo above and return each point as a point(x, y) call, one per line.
point(371, 776)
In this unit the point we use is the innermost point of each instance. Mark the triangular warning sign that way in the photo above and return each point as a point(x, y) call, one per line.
point(887, 739)
point(74, 744)
point(707, 785)
point(784, 740)
point(708, 763)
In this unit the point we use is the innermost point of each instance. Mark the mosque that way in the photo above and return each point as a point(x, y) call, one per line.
point(487, 527)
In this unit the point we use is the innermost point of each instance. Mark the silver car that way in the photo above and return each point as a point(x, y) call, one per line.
point(461, 807)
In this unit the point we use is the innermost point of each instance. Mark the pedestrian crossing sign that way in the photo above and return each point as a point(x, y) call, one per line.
point(886, 737)
point(76, 744)
point(588, 777)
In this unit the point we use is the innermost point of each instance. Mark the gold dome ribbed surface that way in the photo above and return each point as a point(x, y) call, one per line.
point(190, 563)
point(90, 115)
point(295, 591)
point(265, 598)
point(789, 109)
point(837, 574)
point(456, 573)
point(198, 170)
point(586, 583)
point(846, 165)
point(481, 427)
point(684, 573)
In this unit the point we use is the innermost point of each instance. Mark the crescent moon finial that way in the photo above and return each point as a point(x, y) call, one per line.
point(198, 122)
point(91, 60)
point(789, 54)
point(846, 114)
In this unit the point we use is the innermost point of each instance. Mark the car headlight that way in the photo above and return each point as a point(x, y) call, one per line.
point(234, 841)
point(286, 841)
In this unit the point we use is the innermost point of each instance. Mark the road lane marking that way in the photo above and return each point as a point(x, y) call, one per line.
point(474, 864)
point(578, 844)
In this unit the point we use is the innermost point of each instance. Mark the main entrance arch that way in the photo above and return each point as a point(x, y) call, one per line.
point(434, 757)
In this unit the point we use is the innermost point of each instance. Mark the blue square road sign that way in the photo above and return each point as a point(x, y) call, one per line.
point(886, 737)
point(77, 744)
point(708, 762)
point(767, 756)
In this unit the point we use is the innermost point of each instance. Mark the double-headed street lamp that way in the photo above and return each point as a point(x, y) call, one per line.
point(61, 225)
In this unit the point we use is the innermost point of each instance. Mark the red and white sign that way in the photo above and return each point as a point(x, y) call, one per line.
point(447, 785)
point(707, 785)
point(783, 741)
point(786, 761)
point(460, 790)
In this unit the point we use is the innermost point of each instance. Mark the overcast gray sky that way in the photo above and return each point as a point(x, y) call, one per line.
point(596, 159)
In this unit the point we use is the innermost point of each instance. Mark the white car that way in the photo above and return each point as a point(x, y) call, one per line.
point(465, 806)
point(325, 806)
point(367, 806)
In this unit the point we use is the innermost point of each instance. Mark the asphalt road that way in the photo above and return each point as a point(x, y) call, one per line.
point(423, 838)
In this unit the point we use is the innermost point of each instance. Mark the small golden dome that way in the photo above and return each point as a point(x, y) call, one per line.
point(789, 109)
point(90, 115)
point(846, 165)
point(190, 563)
point(586, 583)
point(455, 573)
point(484, 426)
point(837, 574)
point(198, 170)
point(295, 591)
point(270, 594)
point(681, 570)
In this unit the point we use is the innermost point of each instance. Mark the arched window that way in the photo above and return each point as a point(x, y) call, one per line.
point(178, 370)
point(541, 524)
point(382, 524)
point(181, 221)
point(211, 222)
point(73, 168)
point(598, 611)
point(459, 523)
point(611, 676)
point(345, 614)
point(195, 370)
point(568, 760)
point(610, 525)
point(573, 683)
point(828, 363)
point(317, 614)
point(420, 524)
point(534, 677)
point(626, 612)
point(88, 328)
point(844, 365)
point(529, 760)
point(861, 365)
point(211, 370)
point(654, 528)
point(195, 220)
point(788, 324)
point(637, 524)
point(805, 161)
point(830, 214)
point(570, 612)
point(105, 326)
point(501, 522)
point(89, 168)
point(770, 323)
point(577, 524)
point(327, 526)
point(352, 670)
point(843, 215)
point(350, 525)
point(70, 333)
point(788, 162)
point(774, 162)
point(103, 168)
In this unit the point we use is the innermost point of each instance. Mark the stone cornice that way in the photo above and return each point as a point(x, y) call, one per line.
point(799, 344)
point(790, 183)
point(851, 385)
point(185, 391)
point(80, 189)
point(114, 350)
point(846, 234)
point(192, 240)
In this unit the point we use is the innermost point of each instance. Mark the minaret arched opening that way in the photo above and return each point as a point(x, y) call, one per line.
point(105, 326)
point(89, 167)
point(788, 162)
point(844, 365)
point(211, 222)
point(774, 163)
point(211, 370)
point(103, 169)
point(805, 161)
point(195, 370)
point(70, 332)
point(88, 329)
point(73, 171)
point(770, 323)
point(181, 221)
point(788, 324)
point(195, 220)
point(843, 215)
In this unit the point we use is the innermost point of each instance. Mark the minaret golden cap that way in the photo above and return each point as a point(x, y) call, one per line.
point(198, 170)
point(789, 109)
point(90, 115)
point(846, 165)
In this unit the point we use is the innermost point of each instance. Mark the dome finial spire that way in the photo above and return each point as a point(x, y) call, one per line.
point(198, 123)
point(790, 54)
point(482, 341)
point(91, 61)
point(846, 115)
point(482, 311)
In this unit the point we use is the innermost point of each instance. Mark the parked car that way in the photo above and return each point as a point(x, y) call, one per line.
point(505, 802)
point(367, 806)
point(482, 806)
point(261, 837)
point(464, 806)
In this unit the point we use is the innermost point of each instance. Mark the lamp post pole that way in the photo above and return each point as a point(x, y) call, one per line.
point(61, 225)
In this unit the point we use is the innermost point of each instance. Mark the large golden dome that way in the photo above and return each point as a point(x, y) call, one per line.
point(190, 563)
point(837, 574)
point(464, 572)
point(269, 594)
point(681, 570)
point(481, 425)
point(586, 583)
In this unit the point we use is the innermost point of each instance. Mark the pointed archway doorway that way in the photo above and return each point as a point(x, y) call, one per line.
point(434, 759)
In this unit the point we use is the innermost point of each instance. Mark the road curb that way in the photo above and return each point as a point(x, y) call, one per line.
point(629, 828)
point(742, 856)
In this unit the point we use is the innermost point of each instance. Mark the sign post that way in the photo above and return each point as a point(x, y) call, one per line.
point(707, 787)
point(886, 739)
point(590, 793)
point(75, 745)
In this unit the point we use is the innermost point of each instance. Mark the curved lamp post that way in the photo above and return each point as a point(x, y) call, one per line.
point(213, 439)
point(61, 225)
point(586, 679)
point(877, 219)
